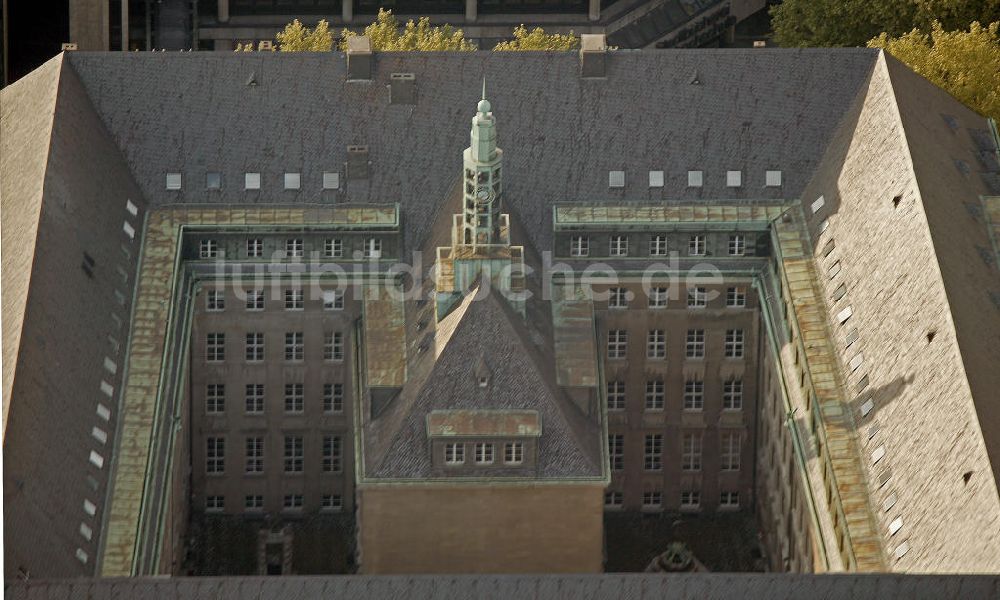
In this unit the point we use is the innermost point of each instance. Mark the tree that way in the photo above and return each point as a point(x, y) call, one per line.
point(297, 38)
point(964, 63)
point(385, 35)
point(537, 39)
point(826, 23)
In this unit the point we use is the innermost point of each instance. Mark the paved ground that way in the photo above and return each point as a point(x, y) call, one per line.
point(722, 542)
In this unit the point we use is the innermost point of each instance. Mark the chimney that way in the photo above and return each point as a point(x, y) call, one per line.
point(593, 55)
point(357, 162)
point(359, 58)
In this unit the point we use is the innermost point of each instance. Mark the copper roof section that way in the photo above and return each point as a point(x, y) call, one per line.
point(484, 423)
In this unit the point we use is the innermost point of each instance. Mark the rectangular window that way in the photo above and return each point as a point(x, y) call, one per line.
point(255, 398)
point(255, 300)
point(613, 499)
point(737, 245)
point(616, 451)
point(656, 344)
point(215, 398)
point(454, 453)
point(208, 249)
point(292, 502)
point(251, 181)
point(373, 248)
point(696, 245)
point(694, 395)
point(772, 178)
point(513, 453)
point(253, 503)
point(734, 178)
point(654, 395)
point(658, 245)
point(173, 181)
point(215, 455)
point(729, 500)
point(331, 180)
point(333, 397)
point(730, 451)
point(618, 245)
point(294, 398)
point(616, 395)
point(734, 343)
point(655, 179)
point(736, 297)
point(213, 181)
point(697, 297)
point(293, 181)
point(695, 345)
point(333, 248)
point(579, 245)
point(484, 453)
point(732, 394)
point(695, 178)
point(616, 179)
point(293, 454)
point(255, 347)
point(294, 346)
point(294, 248)
point(332, 502)
point(652, 500)
point(294, 299)
point(617, 343)
point(215, 300)
point(215, 347)
point(617, 297)
point(333, 300)
point(690, 499)
point(658, 297)
point(653, 457)
point(333, 454)
point(333, 345)
point(255, 248)
point(255, 455)
point(691, 452)
point(215, 503)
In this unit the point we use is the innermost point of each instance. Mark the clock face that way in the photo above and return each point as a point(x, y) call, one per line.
point(483, 194)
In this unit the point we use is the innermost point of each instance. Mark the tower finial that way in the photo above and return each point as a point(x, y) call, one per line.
point(484, 105)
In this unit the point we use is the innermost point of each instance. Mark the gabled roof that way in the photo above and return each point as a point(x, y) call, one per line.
point(484, 328)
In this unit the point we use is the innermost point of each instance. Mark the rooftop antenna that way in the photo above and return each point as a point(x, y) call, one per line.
point(484, 87)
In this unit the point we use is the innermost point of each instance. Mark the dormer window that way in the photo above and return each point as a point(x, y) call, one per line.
point(484, 453)
point(483, 381)
point(513, 453)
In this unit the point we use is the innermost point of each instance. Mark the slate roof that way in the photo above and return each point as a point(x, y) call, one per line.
point(484, 329)
point(751, 109)
point(709, 586)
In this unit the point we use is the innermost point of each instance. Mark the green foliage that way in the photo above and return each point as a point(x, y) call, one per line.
point(298, 38)
point(537, 39)
point(832, 23)
point(965, 63)
point(385, 35)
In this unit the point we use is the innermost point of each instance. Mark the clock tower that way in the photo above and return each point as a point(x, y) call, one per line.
point(480, 248)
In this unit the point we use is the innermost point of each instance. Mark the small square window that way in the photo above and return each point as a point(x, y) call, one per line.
point(616, 179)
point(695, 178)
point(772, 178)
point(292, 181)
point(331, 181)
point(213, 181)
point(173, 181)
point(251, 181)
point(656, 179)
point(734, 178)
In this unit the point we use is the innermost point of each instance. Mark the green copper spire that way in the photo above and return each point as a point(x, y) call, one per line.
point(481, 216)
